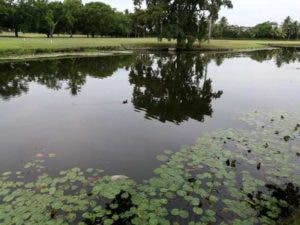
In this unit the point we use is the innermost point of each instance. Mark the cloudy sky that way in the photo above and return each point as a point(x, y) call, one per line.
point(245, 12)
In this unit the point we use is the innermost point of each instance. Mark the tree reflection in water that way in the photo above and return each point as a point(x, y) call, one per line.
point(172, 88)
point(167, 87)
point(56, 74)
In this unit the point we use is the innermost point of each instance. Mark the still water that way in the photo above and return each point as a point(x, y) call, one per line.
point(119, 112)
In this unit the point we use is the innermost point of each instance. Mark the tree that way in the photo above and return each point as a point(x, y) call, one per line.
point(290, 28)
point(3, 11)
point(220, 28)
point(13, 17)
point(185, 21)
point(264, 30)
point(47, 16)
point(139, 22)
point(97, 19)
point(71, 11)
point(121, 26)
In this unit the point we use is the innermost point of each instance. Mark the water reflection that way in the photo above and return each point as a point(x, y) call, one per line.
point(15, 77)
point(38, 114)
point(167, 87)
point(279, 56)
point(173, 87)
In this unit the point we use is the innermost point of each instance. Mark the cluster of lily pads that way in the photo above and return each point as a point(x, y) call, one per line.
point(229, 176)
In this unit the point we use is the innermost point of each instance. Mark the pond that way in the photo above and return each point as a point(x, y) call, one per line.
point(118, 113)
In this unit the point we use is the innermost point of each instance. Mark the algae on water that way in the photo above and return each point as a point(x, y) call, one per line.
point(228, 177)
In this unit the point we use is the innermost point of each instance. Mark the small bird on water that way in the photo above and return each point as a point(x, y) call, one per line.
point(125, 101)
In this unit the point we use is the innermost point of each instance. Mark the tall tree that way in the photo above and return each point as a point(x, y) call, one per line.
point(3, 13)
point(220, 28)
point(72, 9)
point(139, 22)
point(183, 20)
point(13, 18)
point(97, 19)
point(264, 30)
point(290, 28)
point(48, 15)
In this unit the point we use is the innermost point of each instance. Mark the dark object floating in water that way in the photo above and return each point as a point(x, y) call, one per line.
point(53, 213)
point(258, 165)
point(282, 117)
point(249, 195)
point(272, 120)
point(287, 138)
point(266, 145)
point(277, 132)
point(297, 127)
point(298, 153)
point(249, 151)
point(192, 180)
point(233, 163)
point(228, 162)
point(125, 102)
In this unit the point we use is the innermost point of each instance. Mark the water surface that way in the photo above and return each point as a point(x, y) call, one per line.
point(119, 112)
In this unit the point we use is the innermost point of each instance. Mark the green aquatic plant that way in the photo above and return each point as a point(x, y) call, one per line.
point(228, 177)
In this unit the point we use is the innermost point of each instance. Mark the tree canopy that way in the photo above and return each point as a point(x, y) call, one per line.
point(185, 21)
point(68, 16)
point(288, 29)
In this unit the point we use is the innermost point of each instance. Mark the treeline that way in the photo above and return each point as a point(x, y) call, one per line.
point(288, 29)
point(99, 19)
point(70, 17)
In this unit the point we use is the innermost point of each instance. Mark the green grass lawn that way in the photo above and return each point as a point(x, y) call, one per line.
point(37, 44)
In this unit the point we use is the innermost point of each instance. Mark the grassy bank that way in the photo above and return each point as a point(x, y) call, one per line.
point(35, 45)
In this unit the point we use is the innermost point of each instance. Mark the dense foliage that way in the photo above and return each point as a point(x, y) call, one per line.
point(288, 29)
point(69, 16)
point(185, 21)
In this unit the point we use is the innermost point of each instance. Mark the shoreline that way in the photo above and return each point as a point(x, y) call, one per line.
point(99, 53)
point(12, 49)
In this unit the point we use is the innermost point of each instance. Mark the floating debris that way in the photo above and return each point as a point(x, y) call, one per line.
point(40, 155)
point(258, 165)
point(119, 177)
point(286, 138)
point(266, 145)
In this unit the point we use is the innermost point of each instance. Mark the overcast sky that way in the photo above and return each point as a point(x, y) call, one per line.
point(245, 12)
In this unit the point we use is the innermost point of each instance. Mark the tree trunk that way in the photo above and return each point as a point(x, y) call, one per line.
point(209, 28)
point(16, 32)
point(52, 31)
